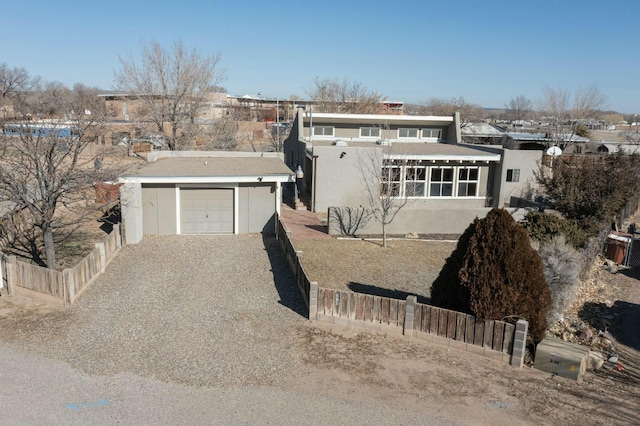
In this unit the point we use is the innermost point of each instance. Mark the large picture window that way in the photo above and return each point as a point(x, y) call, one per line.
point(441, 183)
point(391, 179)
point(416, 179)
point(467, 182)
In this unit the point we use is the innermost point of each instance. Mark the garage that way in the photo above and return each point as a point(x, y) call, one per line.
point(203, 193)
point(206, 211)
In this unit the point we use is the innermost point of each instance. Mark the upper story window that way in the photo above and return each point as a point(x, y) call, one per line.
point(369, 132)
point(327, 131)
point(431, 133)
point(407, 133)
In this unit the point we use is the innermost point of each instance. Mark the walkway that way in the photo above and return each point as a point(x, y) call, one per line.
point(303, 224)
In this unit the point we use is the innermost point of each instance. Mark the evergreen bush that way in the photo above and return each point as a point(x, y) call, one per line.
point(543, 227)
point(494, 273)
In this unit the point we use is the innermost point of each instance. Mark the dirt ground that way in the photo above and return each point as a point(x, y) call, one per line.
point(414, 372)
point(354, 364)
point(404, 267)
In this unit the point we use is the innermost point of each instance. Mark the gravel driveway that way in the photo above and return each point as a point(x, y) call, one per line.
point(202, 310)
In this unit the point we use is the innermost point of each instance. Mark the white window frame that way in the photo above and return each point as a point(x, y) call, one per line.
point(411, 179)
point(324, 133)
point(513, 175)
point(369, 130)
point(467, 181)
point(392, 176)
point(428, 134)
point(409, 129)
point(452, 182)
point(398, 174)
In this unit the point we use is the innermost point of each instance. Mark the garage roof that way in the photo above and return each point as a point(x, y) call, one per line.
point(212, 169)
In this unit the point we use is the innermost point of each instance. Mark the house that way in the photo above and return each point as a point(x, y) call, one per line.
point(446, 183)
point(203, 193)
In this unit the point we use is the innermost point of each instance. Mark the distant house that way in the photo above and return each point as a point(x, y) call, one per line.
point(481, 133)
point(203, 193)
point(541, 141)
point(447, 183)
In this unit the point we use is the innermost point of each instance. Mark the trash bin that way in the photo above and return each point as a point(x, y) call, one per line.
point(615, 251)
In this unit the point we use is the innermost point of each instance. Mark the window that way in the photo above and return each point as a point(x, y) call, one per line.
point(513, 175)
point(441, 182)
point(391, 175)
point(369, 132)
point(467, 181)
point(431, 133)
point(408, 133)
point(415, 181)
point(323, 131)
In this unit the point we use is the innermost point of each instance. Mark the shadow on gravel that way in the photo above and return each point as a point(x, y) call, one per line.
point(385, 292)
point(621, 320)
point(283, 278)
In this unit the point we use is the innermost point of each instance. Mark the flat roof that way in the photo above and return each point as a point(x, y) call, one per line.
point(427, 151)
point(364, 119)
point(213, 167)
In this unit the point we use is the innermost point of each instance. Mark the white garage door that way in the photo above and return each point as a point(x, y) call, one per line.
point(206, 211)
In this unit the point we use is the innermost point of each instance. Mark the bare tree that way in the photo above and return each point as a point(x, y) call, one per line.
point(13, 81)
point(345, 96)
point(381, 178)
point(221, 133)
point(47, 176)
point(519, 108)
point(566, 114)
point(469, 113)
point(15, 86)
point(170, 85)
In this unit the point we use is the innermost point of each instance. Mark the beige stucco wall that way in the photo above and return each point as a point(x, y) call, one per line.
point(527, 162)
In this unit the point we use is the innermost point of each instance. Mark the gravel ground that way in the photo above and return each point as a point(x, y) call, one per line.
point(178, 309)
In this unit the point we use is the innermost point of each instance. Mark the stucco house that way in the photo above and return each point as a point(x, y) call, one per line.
point(446, 183)
point(203, 193)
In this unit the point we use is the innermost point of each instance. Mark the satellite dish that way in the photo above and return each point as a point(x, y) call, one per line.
point(554, 151)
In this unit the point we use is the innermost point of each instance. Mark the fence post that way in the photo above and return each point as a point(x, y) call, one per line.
point(519, 343)
point(408, 315)
point(2, 276)
point(118, 235)
point(102, 254)
point(11, 274)
point(69, 283)
point(313, 300)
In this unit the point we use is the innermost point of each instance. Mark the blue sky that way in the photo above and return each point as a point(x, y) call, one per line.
point(485, 51)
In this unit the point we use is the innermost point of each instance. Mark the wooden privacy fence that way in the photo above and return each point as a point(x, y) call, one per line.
point(494, 339)
point(55, 287)
point(293, 257)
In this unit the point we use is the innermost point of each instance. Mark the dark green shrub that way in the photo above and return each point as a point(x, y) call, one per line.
point(543, 227)
point(494, 273)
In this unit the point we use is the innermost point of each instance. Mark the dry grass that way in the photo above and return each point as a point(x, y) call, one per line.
point(404, 267)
